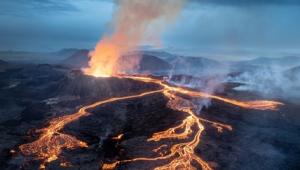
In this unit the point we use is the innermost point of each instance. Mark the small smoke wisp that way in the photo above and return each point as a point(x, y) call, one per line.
point(210, 85)
point(135, 22)
point(207, 76)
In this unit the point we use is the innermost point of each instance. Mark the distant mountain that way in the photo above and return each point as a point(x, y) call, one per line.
point(21, 56)
point(293, 73)
point(3, 62)
point(4, 65)
point(68, 51)
point(144, 63)
point(37, 57)
point(163, 62)
point(195, 65)
point(196, 61)
point(243, 67)
point(288, 61)
point(151, 62)
point(78, 59)
point(160, 54)
point(295, 70)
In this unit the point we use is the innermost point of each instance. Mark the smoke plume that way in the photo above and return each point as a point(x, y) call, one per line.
point(135, 22)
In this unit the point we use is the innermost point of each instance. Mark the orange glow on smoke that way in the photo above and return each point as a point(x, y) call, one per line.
point(103, 59)
point(135, 22)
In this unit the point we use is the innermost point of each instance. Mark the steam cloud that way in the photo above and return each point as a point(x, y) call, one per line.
point(270, 81)
point(135, 22)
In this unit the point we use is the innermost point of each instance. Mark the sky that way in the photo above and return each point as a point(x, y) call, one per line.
point(216, 28)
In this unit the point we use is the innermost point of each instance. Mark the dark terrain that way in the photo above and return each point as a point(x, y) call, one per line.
point(32, 94)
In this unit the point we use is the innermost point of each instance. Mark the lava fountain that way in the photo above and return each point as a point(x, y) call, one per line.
point(135, 22)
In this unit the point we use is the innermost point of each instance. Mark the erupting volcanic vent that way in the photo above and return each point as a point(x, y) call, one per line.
point(175, 145)
point(135, 22)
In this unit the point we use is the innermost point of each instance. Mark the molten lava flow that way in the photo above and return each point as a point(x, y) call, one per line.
point(48, 147)
point(180, 155)
point(258, 104)
point(119, 137)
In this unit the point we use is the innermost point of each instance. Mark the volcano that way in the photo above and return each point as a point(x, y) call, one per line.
point(143, 124)
point(145, 97)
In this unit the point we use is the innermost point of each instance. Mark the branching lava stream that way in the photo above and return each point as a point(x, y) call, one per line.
point(187, 134)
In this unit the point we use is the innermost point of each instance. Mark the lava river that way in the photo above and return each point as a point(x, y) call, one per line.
point(178, 155)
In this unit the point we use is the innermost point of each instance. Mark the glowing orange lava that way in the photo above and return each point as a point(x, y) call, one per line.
point(258, 104)
point(180, 154)
point(48, 147)
point(103, 59)
point(119, 137)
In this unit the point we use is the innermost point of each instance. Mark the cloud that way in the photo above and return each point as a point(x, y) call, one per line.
point(248, 2)
point(25, 7)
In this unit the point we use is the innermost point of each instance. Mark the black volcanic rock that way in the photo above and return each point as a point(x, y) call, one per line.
point(93, 88)
point(34, 111)
point(35, 94)
point(135, 118)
